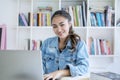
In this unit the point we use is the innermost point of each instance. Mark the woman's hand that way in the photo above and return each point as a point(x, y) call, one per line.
point(56, 75)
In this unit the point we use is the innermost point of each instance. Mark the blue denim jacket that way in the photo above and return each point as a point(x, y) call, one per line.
point(53, 60)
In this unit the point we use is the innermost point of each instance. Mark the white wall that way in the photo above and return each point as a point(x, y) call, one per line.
point(115, 67)
point(8, 10)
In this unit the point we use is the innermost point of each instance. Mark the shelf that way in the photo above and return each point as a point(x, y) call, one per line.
point(110, 33)
point(46, 1)
point(41, 27)
point(102, 27)
point(75, 27)
point(23, 27)
point(101, 56)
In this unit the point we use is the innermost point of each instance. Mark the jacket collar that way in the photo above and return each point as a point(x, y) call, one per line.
point(55, 43)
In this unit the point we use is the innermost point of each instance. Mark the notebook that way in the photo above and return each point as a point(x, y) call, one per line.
point(20, 65)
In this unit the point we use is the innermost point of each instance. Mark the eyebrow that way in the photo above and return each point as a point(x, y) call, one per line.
point(59, 23)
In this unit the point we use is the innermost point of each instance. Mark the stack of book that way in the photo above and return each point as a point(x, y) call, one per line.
point(78, 14)
point(99, 46)
point(40, 18)
point(102, 17)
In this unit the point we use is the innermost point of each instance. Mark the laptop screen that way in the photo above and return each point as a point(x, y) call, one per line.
point(20, 65)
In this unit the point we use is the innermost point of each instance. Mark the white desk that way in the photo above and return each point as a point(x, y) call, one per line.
point(75, 78)
point(85, 77)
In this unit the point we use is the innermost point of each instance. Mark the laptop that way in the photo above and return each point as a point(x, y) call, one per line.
point(20, 65)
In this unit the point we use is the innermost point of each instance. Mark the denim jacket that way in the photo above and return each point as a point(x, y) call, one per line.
point(53, 59)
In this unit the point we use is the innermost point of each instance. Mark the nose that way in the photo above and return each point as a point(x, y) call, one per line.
point(59, 29)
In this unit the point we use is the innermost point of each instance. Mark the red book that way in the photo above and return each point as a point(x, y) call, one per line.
point(102, 47)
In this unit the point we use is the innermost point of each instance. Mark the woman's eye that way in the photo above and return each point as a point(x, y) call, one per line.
point(54, 26)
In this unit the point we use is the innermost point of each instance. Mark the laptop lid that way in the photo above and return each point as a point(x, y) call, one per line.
point(20, 65)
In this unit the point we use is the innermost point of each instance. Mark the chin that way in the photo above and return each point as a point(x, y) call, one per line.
point(62, 37)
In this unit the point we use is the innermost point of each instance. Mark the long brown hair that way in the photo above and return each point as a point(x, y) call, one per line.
point(72, 35)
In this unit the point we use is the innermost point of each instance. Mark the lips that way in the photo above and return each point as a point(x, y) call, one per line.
point(60, 34)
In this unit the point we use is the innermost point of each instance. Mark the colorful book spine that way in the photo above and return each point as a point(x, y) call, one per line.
point(48, 19)
point(3, 37)
point(84, 13)
point(98, 19)
point(23, 19)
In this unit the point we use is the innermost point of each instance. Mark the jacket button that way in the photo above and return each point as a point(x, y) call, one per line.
point(71, 59)
point(57, 61)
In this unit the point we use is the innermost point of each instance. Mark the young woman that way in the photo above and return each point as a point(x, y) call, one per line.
point(65, 54)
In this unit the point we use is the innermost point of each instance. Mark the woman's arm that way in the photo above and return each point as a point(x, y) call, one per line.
point(43, 49)
point(82, 64)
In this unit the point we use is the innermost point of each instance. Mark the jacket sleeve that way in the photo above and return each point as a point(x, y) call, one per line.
point(82, 64)
point(43, 50)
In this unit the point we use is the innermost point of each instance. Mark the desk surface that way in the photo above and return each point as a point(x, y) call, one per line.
point(86, 77)
point(75, 78)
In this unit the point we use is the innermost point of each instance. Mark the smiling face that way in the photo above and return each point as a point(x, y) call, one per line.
point(61, 26)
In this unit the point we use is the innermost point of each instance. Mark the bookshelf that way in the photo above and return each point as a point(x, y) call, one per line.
point(106, 32)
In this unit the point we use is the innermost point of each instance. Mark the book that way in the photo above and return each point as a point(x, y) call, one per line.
point(42, 9)
point(74, 16)
point(77, 16)
point(26, 45)
point(98, 17)
point(108, 45)
point(38, 19)
point(102, 47)
point(93, 19)
point(84, 12)
point(102, 16)
point(104, 76)
point(21, 23)
point(2, 37)
point(92, 47)
point(22, 20)
point(90, 39)
point(34, 23)
point(36, 44)
point(30, 18)
point(80, 14)
point(71, 14)
point(108, 13)
point(48, 15)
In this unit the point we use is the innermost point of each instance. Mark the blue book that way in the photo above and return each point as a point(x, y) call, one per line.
point(93, 19)
point(98, 19)
point(92, 48)
point(102, 17)
point(23, 20)
point(21, 23)
point(84, 11)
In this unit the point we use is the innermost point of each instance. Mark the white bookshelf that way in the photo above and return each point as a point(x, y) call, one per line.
point(97, 62)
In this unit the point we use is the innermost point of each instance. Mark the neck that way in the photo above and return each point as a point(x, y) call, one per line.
point(61, 44)
point(62, 40)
